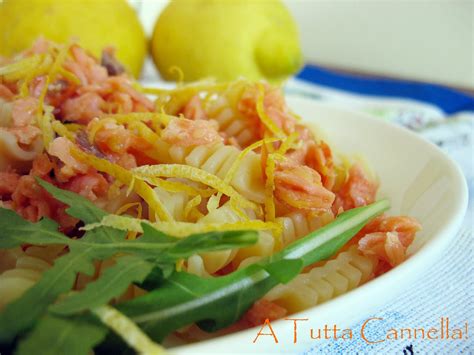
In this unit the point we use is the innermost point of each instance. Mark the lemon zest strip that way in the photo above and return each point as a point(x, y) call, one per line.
point(128, 330)
point(58, 62)
point(269, 188)
point(288, 143)
point(62, 130)
point(42, 68)
point(266, 120)
point(44, 117)
point(194, 202)
point(20, 69)
point(194, 174)
point(95, 126)
point(185, 89)
point(126, 177)
point(176, 186)
point(126, 207)
point(213, 202)
point(181, 229)
point(69, 75)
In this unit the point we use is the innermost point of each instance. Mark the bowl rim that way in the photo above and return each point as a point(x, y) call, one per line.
point(431, 249)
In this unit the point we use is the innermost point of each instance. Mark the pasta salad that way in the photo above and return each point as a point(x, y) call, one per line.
point(131, 214)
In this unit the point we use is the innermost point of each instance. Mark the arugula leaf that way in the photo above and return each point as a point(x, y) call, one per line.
point(54, 335)
point(86, 211)
point(130, 269)
point(79, 206)
point(153, 251)
point(196, 243)
point(152, 245)
point(215, 303)
point(19, 315)
point(113, 282)
point(14, 231)
point(326, 241)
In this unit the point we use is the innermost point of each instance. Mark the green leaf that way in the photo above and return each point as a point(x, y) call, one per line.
point(322, 243)
point(215, 303)
point(130, 269)
point(153, 248)
point(54, 335)
point(80, 207)
point(104, 242)
point(112, 283)
point(14, 231)
point(283, 270)
point(19, 315)
point(210, 241)
point(85, 210)
point(185, 298)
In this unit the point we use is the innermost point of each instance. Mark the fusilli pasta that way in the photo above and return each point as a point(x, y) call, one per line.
point(15, 156)
point(231, 122)
point(20, 269)
point(298, 224)
point(218, 159)
point(335, 277)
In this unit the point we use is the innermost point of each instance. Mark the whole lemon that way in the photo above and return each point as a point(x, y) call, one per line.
point(94, 23)
point(226, 39)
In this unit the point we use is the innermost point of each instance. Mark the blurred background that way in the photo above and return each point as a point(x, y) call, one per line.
point(427, 40)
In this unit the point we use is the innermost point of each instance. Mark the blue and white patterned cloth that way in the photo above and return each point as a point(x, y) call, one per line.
point(446, 118)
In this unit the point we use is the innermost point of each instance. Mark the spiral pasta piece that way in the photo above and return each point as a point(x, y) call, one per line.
point(206, 264)
point(298, 224)
point(335, 277)
point(218, 159)
point(264, 247)
point(216, 260)
point(20, 270)
point(15, 156)
point(5, 113)
point(239, 128)
point(174, 203)
point(231, 122)
point(195, 265)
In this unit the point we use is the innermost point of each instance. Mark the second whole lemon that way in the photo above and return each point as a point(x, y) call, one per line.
point(94, 23)
point(226, 39)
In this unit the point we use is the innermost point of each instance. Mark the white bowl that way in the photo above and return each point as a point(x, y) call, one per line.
point(420, 181)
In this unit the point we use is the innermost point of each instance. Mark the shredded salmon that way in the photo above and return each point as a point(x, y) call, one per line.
point(42, 165)
point(194, 110)
point(273, 105)
point(388, 238)
point(30, 200)
point(6, 93)
point(187, 133)
point(24, 111)
point(92, 185)
point(262, 310)
point(301, 187)
point(317, 156)
point(60, 148)
point(85, 67)
point(8, 182)
point(357, 191)
point(83, 109)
